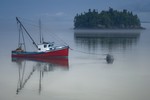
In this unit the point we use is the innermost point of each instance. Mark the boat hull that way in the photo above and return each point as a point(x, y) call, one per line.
point(63, 52)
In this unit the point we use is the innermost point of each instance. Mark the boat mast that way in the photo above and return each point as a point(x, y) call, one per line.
point(26, 32)
point(41, 35)
point(40, 30)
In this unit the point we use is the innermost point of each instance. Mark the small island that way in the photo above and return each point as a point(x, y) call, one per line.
point(111, 19)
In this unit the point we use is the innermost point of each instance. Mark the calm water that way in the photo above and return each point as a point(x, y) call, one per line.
point(85, 75)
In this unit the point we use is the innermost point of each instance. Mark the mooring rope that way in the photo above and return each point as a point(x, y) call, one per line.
point(109, 58)
point(85, 52)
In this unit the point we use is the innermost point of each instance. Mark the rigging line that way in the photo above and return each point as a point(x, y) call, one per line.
point(21, 29)
point(19, 35)
point(28, 20)
point(30, 45)
point(54, 36)
point(50, 33)
point(24, 65)
point(26, 32)
point(23, 38)
point(23, 84)
point(36, 26)
point(61, 40)
point(19, 80)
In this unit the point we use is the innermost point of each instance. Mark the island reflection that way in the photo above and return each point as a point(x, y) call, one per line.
point(27, 67)
point(106, 39)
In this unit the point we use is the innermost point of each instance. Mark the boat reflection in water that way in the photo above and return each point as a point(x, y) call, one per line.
point(39, 65)
point(106, 39)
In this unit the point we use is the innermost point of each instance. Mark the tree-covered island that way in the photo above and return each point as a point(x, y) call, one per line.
point(111, 19)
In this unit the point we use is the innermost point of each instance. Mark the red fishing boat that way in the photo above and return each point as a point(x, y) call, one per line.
point(43, 49)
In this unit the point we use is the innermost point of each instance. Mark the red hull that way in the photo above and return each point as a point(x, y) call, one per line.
point(50, 54)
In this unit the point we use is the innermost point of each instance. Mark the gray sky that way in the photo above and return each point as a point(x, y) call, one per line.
point(63, 10)
point(30, 8)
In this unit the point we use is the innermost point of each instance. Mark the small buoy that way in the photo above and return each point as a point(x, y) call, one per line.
point(109, 59)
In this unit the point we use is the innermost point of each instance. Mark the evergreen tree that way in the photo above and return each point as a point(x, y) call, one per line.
point(107, 19)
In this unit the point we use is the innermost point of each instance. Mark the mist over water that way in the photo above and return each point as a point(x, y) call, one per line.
point(85, 74)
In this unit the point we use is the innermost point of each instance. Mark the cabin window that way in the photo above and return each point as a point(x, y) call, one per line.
point(49, 45)
point(51, 48)
point(39, 49)
point(45, 46)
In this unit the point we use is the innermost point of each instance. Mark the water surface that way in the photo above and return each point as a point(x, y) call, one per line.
point(85, 75)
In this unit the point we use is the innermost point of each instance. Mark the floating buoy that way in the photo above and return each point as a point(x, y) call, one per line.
point(109, 59)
